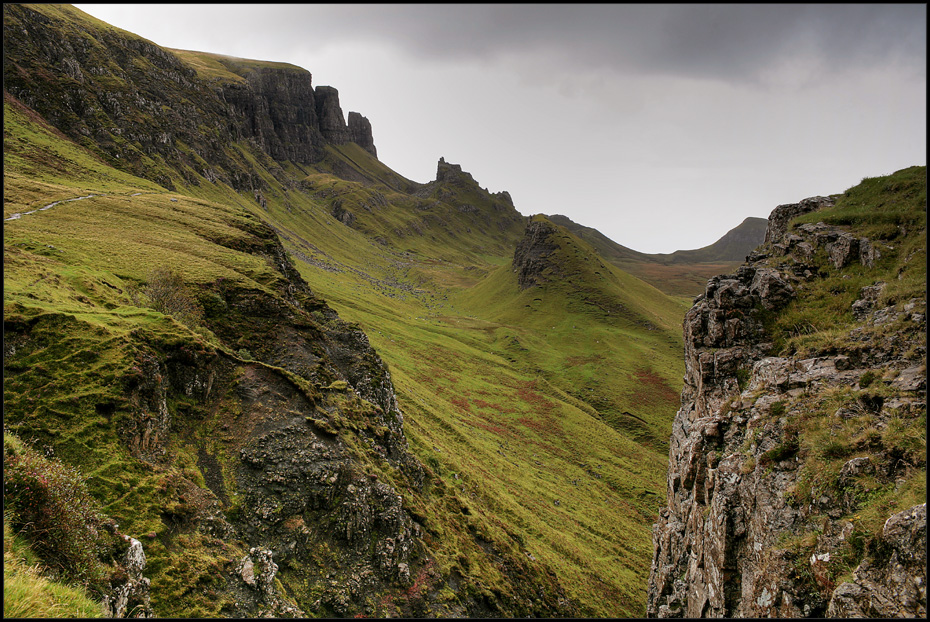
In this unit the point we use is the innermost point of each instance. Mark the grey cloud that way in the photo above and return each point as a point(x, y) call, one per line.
point(731, 42)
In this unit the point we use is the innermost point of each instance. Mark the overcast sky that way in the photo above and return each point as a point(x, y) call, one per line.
point(663, 126)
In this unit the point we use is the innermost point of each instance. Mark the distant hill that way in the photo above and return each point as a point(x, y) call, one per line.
point(735, 245)
point(684, 272)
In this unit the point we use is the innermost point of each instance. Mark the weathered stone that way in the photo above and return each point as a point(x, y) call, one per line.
point(782, 215)
point(843, 250)
point(531, 258)
point(898, 586)
point(131, 597)
point(911, 379)
point(868, 254)
point(771, 288)
point(359, 129)
point(734, 459)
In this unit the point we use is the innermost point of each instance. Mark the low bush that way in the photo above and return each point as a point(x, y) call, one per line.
point(48, 503)
point(167, 293)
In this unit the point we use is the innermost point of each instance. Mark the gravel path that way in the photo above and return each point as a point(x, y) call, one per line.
point(19, 215)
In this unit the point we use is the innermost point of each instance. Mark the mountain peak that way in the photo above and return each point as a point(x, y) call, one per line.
point(453, 173)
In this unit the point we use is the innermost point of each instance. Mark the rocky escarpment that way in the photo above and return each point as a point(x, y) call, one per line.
point(786, 467)
point(309, 458)
point(532, 259)
point(333, 125)
point(134, 103)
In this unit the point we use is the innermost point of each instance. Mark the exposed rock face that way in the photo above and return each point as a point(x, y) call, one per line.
point(890, 586)
point(360, 133)
point(124, 98)
point(332, 123)
point(735, 460)
point(130, 599)
point(531, 260)
point(782, 215)
point(279, 112)
point(453, 173)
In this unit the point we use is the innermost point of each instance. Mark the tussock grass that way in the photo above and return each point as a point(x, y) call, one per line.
point(27, 593)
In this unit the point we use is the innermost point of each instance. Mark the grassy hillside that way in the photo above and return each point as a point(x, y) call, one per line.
point(683, 273)
point(541, 415)
point(557, 439)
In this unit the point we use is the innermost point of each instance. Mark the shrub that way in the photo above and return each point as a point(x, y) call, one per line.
point(867, 378)
point(781, 452)
point(167, 293)
point(49, 504)
point(742, 378)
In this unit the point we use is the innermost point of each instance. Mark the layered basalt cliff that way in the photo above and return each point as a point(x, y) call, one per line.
point(532, 259)
point(134, 103)
point(787, 471)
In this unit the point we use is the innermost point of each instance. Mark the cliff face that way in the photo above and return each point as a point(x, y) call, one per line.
point(134, 103)
point(532, 260)
point(789, 492)
point(276, 109)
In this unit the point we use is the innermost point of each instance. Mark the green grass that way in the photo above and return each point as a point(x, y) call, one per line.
point(890, 211)
point(543, 415)
point(28, 593)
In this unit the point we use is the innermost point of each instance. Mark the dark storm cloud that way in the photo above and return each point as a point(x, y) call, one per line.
point(731, 42)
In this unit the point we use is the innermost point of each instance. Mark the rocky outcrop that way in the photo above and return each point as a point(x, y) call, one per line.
point(532, 258)
point(359, 128)
point(332, 123)
point(892, 585)
point(780, 217)
point(276, 109)
point(130, 597)
point(746, 533)
point(128, 100)
point(453, 174)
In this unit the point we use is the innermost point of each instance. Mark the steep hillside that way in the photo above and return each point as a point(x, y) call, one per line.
point(684, 272)
point(300, 383)
point(735, 245)
point(797, 475)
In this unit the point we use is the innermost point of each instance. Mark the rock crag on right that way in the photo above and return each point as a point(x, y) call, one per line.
point(797, 462)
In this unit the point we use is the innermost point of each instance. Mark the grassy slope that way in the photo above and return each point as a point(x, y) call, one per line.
point(498, 403)
point(519, 409)
point(28, 593)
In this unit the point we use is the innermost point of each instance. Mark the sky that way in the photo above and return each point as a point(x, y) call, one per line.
point(663, 126)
